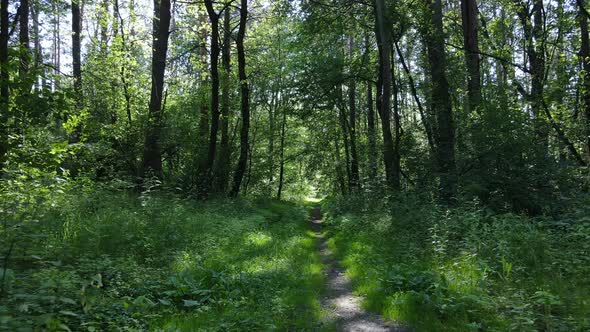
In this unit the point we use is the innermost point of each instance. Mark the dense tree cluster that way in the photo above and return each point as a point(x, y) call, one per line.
point(485, 100)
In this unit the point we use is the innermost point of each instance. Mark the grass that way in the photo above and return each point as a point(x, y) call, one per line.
point(102, 259)
point(465, 269)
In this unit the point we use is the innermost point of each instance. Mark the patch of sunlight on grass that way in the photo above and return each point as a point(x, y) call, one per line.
point(262, 264)
point(412, 307)
point(185, 260)
point(258, 238)
point(313, 199)
point(313, 268)
point(464, 274)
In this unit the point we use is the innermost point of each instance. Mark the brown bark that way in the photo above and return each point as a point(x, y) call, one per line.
point(4, 77)
point(441, 104)
point(152, 155)
point(384, 45)
point(245, 101)
point(223, 163)
point(354, 165)
point(471, 45)
point(282, 156)
point(76, 47)
point(371, 149)
point(585, 58)
point(214, 56)
point(23, 37)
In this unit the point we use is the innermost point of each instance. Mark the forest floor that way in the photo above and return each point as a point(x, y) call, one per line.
point(340, 303)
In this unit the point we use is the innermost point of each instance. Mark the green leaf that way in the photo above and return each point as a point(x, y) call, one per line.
point(191, 303)
point(68, 313)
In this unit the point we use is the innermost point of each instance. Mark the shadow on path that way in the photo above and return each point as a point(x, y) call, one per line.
point(342, 306)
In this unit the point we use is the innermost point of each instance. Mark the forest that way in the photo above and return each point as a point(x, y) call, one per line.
point(294, 165)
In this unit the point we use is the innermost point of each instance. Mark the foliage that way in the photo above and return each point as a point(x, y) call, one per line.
point(96, 257)
point(465, 269)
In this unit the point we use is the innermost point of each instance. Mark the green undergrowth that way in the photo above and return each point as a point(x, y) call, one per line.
point(465, 269)
point(94, 258)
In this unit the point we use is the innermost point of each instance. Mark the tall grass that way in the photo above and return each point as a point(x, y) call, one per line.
point(465, 269)
point(92, 258)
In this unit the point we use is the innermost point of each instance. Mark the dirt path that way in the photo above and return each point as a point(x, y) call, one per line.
point(343, 306)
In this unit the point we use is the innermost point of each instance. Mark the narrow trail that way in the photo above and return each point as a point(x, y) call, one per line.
point(343, 306)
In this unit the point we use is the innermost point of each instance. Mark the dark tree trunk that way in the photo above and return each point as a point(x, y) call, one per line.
point(441, 104)
point(339, 173)
point(245, 101)
point(223, 166)
point(345, 142)
point(38, 50)
point(214, 18)
point(471, 46)
point(372, 149)
point(152, 156)
point(384, 46)
point(396, 163)
point(4, 77)
point(76, 48)
point(354, 164)
point(76, 66)
point(282, 156)
point(585, 55)
point(23, 37)
point(119, 28)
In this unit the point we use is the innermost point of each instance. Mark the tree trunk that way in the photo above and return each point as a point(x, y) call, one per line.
point(384, 45)
point(354, 164)
point(344, 129)
point(214, 18)
point(339, 173)
point(372, 149)
point(396, 162)
point(38, 49)
point(223, 161)
point(152, 156)
point(245, 101)
point(282, 156)
point(4, 77)
point(585, 56)
point(471, 46)
point(441, 104)
point(76, 48)
point(23, 37)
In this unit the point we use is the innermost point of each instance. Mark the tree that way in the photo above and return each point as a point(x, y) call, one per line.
point(214, 56)
point(4, 78)
point(23, 35)
point(245, 102)
point(441, 103)
point(471, 45)
point(76, 47)
point(354, 164)
point(152, 155)
point(223, 166)
point(384, 85)
point(585, 59)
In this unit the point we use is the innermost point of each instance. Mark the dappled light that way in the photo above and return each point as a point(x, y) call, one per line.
point(294, 165)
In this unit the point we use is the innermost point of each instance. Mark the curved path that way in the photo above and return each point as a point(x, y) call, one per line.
point(342, 305)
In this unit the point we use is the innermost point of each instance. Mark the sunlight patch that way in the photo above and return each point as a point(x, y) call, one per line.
point(258, 239)
point(185, 260)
